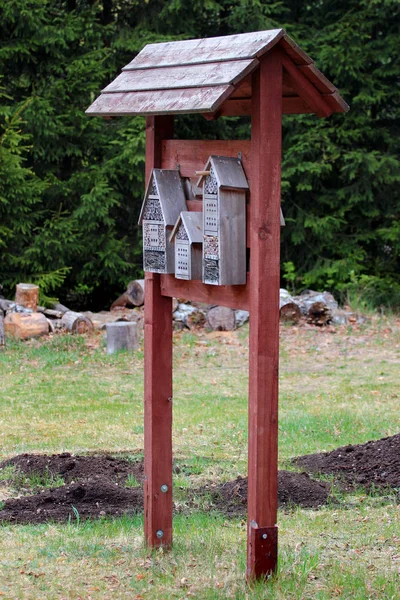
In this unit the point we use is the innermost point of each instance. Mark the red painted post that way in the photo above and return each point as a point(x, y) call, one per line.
point(264, 317)
point(157, 378)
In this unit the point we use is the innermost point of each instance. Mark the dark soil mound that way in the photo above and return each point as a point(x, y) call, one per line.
point(95, 486)
point(293, 489)
point(92, 498)
point(74, 467)
point(374, 463)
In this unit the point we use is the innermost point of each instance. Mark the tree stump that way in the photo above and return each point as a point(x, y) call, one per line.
point(221, 318)
point(27, 295)
point(122, 335)
point(25, 325)
point(77, 322)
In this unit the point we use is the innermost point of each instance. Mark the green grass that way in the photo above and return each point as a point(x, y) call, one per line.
point(66, 394)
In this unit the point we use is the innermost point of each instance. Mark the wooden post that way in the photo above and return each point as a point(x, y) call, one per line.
point(157, 377)
point(264, 317)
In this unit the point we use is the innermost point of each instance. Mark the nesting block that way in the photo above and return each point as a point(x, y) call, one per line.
point(163, 202)
point(187, 236)
point(224, 221)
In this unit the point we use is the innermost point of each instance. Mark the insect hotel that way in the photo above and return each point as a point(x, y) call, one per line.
point(188, 237)
point(224, 221)
point(264, 75)
point(164, 200)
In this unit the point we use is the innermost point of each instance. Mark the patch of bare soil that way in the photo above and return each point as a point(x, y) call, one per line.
point(95, 486)
point(375, 463)
point(294, 489)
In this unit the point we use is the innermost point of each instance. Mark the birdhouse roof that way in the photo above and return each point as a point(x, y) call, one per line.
point(169, 187)
point(193, 224)
point(228, 172)
point(200, 76)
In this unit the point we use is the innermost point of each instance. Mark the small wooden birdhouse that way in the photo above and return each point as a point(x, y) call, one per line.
point(188, 237)
point(224, 221)
point(163, 202)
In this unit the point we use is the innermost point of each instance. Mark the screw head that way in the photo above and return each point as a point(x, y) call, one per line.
point(160, 534)
point(164, 488)
point(264, 536)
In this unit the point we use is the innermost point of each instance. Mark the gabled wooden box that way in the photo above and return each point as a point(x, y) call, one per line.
point(163, 202)
point(188, 238)
point(224, 221)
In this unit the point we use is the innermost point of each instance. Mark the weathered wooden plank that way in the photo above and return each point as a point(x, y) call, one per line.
point(190, 100)
point(187, 52)
point(336, 102)
point(205, 75)
point(266, 145)
point(304, 87)
point(317, 78)
point(191, 155)
point(157, 379)
point(234, 296)
point(298, 56)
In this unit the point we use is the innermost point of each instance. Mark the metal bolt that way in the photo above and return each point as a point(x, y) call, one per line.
point(264, 536)
point(164, 488)
point(160, 534)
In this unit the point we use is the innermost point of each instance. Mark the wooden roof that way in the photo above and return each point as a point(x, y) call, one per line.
point(212, 76)
point(170, 193)
point(228, 172)
point(193, 223)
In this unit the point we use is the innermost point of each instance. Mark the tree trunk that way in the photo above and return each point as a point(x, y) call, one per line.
point(50, 313)
point(23, 326)
point(77, 322)
point(289, 311)
point(122, 335)
point(133, 296)
point(27, 295)
point(221, 318)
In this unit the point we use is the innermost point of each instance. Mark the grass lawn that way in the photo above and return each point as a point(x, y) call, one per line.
point(337, 386)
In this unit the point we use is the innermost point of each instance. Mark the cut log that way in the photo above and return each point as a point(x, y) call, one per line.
point(27, 295)
point(133, 296)
point(77, 322)
point(25, 325)
point(50, 313)
point(59, 307)
point(319, 314)
point(122, 335)
point(289, 313)
point(5, 304)
point(1, 331)
point(221, 318)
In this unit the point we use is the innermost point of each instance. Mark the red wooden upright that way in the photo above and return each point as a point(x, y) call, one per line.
point(157, 377)
point(264, 316)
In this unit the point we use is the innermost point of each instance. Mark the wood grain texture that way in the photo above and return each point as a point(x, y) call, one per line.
point(266, 146)
point(291, 105)
point(192, 155)
point(234, 296)
point(157, 377)
point(160, 102)
point(217, 49)
point(205, 75)
point(304, 88)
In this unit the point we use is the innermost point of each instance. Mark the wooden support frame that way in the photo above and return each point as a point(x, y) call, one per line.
point(266, 144)
point(157, 377)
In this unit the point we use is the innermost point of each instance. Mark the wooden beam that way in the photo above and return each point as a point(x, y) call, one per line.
point(304, 87)
point(157, 378)
point(234, 296)
point(291, 105)
point(266, 143)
